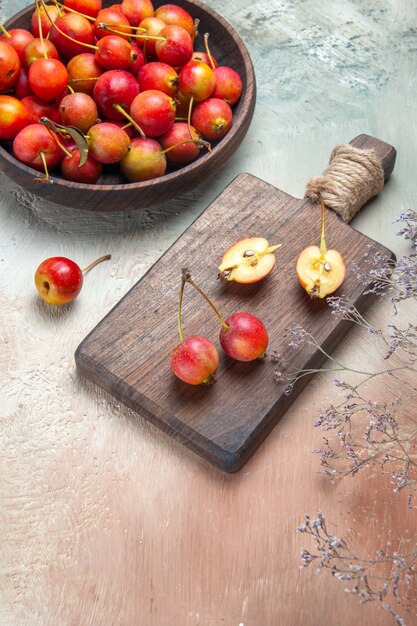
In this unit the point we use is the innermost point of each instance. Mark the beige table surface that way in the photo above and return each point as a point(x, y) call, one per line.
point(105, 521)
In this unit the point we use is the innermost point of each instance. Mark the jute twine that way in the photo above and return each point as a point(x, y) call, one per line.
point(352, 177)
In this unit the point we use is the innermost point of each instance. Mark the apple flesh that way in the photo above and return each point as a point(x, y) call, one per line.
point(195, 361)
point(248, 260)
point(320, 277)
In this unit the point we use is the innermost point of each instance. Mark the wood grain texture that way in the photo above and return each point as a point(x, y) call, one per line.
point(112, 192)
point(128, 354)
point(105, 520)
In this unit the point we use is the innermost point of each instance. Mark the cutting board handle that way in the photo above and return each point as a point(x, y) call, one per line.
point(384, 151)
point(356, 173)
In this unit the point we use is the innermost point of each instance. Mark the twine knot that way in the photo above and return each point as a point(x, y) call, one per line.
point(352, 177)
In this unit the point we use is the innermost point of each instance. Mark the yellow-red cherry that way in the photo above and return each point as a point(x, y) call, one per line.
point(59, 280)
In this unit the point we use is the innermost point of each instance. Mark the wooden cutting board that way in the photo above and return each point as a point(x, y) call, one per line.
point(128, 353)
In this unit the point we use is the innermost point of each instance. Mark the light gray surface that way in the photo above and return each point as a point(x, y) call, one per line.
point(326, 72)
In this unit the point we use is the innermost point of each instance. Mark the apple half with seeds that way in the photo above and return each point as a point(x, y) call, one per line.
point(319, 274)
point(248, 260)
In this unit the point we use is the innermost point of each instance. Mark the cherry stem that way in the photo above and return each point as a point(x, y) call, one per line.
point(196, 25)
point(70, 89)
point(106, 257)
point(81, 43)
point(80, 80)
point(104, 26)
point(190, 106)
point(144, 30)
point(58, 143)
point(45, 179)
point(198, 142)
point(5, 32)
point(40, 29)
point(62, 6)
point(108, 26)
point(121, 110)
point(186, 278)
point(180, 308)
point(206, 36)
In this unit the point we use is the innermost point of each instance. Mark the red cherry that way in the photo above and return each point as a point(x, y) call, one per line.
point(75, 26)
point(115, 88)
point(38, 108)
point(59, 280)
point(153, 27)
point(32, 142)
point(9, 67)
point(213, 118)
point(13, 117)
point(113, 17)
point(79, 110)
point(88, 173)
point(82, 70)
point(114, 53)
point(246, 338)
point(88, 7)
point(177, 47)
point(196, 80)
point(18, 38)
point(144, 161)
point(48, 15)
point(107, 142)
point(34, 50)
point(204, 58)
point(22, 88)
point(174, 14)
point(137, 10)
point(195, 361)
point(48, 78)
point(139, 61)
point(153, 111)
point(228, 85)
point(160, 76)
point(176, 142)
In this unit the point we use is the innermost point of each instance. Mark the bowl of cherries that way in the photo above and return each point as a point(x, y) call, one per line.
point(112, 107)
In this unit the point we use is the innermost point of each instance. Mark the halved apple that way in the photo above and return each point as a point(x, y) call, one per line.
point(248, 260)
point(320, 276)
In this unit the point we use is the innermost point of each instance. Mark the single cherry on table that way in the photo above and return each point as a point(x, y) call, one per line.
point(59, 280)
